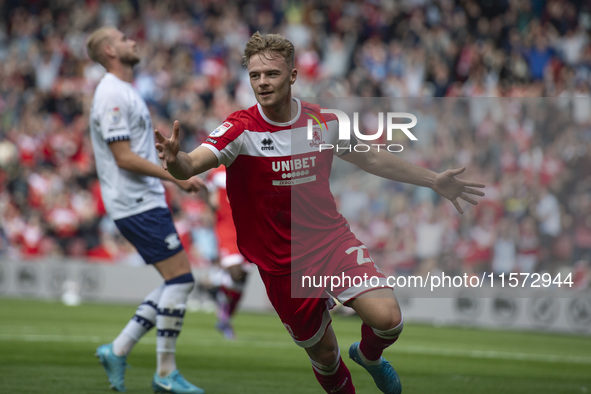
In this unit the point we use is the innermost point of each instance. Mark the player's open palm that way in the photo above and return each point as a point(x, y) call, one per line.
point(452, 188)
point(168, 148)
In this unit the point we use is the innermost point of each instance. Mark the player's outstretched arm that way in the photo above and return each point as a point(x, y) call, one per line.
point(182, 165)
point(389, 166)
point(128, 160)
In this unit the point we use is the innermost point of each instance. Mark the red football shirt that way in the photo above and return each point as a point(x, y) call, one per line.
point(278, 186)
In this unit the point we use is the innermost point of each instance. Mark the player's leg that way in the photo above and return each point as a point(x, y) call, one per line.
point(364, 288)
point(382, 321)
point(154, 236)
point(308, 322)
point(142, 321)
point(327, 363)
point(178, 284)
point(382, 324)
point(113, 356)
point(230, 292)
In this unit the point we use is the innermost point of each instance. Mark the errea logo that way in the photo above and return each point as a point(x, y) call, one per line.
point(267, 144)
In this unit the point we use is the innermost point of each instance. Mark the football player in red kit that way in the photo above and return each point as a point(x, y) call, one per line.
point(286, 217)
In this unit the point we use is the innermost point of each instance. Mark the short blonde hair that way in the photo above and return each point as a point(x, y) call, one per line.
point(269, 43)
point(95, 42)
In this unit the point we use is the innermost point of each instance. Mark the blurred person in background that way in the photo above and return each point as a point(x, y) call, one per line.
point(231, 278)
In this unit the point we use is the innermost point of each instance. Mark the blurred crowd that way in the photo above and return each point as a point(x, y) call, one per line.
point(533, 153)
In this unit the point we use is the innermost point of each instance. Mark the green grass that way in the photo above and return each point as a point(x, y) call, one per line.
point(46, 347)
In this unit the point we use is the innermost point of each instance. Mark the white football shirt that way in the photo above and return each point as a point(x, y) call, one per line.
point(119, 113)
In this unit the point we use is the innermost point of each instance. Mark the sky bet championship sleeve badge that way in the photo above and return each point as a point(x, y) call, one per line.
point(114, 115)
point(221, 130)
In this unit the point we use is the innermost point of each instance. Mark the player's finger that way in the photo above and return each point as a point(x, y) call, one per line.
point(474, 184)
point(200, 183)
point(457, 205)
point(474, 191)
point(159, 137)
point(457, 171)
point(176, 126)
point(469, 199)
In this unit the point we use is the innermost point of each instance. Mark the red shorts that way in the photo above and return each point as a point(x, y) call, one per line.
point(302, 299)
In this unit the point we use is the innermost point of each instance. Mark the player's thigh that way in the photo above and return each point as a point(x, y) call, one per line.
point(305, 318)
point(155, 237)
point(174, 266)
point(363, 286)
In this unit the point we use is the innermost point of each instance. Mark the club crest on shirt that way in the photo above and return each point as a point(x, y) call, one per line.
point(115, 115)
point(221, 130)
point(316, 137)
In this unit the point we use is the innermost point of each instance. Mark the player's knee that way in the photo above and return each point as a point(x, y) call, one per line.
point(387, 319)
point(326, 356)
point(324, 353)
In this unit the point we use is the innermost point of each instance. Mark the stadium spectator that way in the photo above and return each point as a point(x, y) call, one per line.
point(296, 231)
point(231, 279)
point(172, 80)
point(130, 179)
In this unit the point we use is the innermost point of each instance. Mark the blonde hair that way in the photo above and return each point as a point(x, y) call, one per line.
point(273, 44)
point(94, 43)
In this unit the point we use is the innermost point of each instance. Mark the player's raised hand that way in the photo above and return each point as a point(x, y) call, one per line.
point(452, 188)
point(168, 148)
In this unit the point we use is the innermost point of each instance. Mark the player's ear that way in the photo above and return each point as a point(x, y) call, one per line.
point(293, 76)
point(108, 50)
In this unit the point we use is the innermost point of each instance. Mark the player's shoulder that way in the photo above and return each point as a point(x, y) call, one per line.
point(239, 121)
point(109, 90)
point(314, 111)
point(246, 116)
point(307, 106)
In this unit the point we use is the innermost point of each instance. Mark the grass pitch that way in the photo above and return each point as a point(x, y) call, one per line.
point(46, 347)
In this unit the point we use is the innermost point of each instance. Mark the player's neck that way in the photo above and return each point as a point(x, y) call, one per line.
point(282, 113)
point(124, 73)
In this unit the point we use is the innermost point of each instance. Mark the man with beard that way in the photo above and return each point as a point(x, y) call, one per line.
point(133, 194)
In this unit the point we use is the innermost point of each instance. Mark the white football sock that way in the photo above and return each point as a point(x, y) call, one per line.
point(169, 321)
point(143, 320)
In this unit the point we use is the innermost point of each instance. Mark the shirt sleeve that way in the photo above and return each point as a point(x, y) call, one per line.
point(114, 119)
point(341, 146)
point(345, 146)
point(226, 141)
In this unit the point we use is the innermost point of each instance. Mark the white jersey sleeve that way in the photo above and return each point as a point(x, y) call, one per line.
point(112, 112)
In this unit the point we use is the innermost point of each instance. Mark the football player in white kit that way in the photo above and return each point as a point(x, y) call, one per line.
point(130, 176)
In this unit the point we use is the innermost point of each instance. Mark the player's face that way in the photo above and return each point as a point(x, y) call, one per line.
point(125, 48)
point(271, 79)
